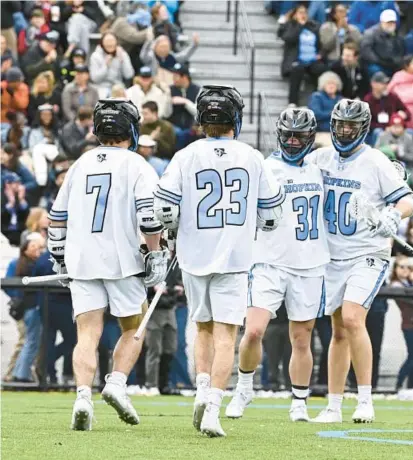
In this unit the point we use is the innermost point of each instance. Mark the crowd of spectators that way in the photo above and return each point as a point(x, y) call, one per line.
point(58, 58)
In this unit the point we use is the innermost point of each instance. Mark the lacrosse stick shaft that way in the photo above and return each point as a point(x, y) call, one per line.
point(41, 279)
point(403, 243)
point(155, 300)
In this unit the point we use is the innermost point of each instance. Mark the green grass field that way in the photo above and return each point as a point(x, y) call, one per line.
point(36, 426)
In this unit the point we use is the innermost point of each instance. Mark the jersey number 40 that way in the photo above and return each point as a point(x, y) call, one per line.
point(338, 215)
point(237, 178)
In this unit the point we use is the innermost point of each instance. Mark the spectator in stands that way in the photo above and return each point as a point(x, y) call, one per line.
point(396, 142)
point(382, 49)
point(58, 178)
point(356, 82)
point(401, 250)
point(44, 91)
point(42, 56)
point(67, 68)
point(14, 96)
point(367, 13)
point(401, 85)
point(302, 53)
point(132, 32)
point(160, 131)
point(8, 10)
point(109, 64)
point(27, 37)
point(118, 91)
point(86, 18)
point(76, 135)
point(147, 149)
point(11, 163)
point(325, 98)
point(161, 24)
point(383, 105)
point(78, 93)
point(400, 278)
point(184, 94)
point(161, 59)
point(7, 59)
point(336, 32)
point(15, 208)
point(28, 307)
point(146, 89)
point(45, 127)
point(18, 131)
point(37, 222)
point(408, 43)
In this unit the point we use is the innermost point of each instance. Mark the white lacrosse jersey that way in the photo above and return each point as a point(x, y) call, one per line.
point(219, 184)
point(99, 198)
point(299, 243)
point(368, 171)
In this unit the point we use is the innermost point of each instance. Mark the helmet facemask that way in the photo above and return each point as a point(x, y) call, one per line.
point(348, 135)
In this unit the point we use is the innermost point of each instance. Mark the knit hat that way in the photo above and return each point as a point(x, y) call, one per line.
point(14, 74)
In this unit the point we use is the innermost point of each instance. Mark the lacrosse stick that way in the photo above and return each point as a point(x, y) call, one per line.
point(361, 209)
point(41, 279)
point(161, 287)
point(401, 170)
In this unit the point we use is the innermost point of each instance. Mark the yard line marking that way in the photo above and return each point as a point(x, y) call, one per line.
point(344, 435)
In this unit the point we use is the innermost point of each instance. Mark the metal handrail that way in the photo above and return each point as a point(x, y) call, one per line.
point(248, 47)
point(228, 11)
point(266, 130)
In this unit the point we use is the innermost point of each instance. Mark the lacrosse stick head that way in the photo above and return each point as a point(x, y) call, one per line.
point(360, 208)
point(401, 170)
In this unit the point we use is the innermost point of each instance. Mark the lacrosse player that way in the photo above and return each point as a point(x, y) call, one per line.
point(289, 265)
point(215, 192)
point(106, 197)
point(360, 252)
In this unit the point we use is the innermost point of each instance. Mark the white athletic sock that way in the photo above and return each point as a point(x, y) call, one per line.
point(119, 377)
point(215, 396)
point(364, 393)
point(203, 380)
point(246, 380)
point(335, 401)
point(300, 393)
point(84, 391)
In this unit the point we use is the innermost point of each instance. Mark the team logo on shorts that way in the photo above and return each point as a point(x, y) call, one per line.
point(370, 262)
point(220, 152)
point(101, 157)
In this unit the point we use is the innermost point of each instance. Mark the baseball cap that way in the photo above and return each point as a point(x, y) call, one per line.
point(380, 77)
point(388, 16)
point(14, 74)
point(145, 72)
point(146, 141)
point(396, 119)
point(79, 52)
point(81, 68)
point(52, 36)
point(182, 69)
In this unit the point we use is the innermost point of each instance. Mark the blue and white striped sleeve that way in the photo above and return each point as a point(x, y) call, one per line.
point(169, 187)
point(271, 193)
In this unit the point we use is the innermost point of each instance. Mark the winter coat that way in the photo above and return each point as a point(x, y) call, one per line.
point(127, 34)
point(73, 140)
point(365, 14)
point(330, 42)
point(290, 35)
point(378, 47)
point(17, 101)
point(104, 75)
point(54, 99)
point(404, 143)
point(322, 105)
point(33, 63)
point(356, 82)
point(167, 139)
point(163, 98)
point(402, 86)
point(72, 100)
point(389, 104)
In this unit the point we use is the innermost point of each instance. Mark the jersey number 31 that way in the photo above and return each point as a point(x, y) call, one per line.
point(210, 178)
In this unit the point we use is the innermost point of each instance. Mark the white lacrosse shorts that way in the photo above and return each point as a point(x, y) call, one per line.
point(270, 286)
point(356, 280)
point(217, 297)
point(123, 296)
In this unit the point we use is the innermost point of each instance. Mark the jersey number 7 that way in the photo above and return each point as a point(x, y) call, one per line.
point(234, 177)
point(102, 182)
